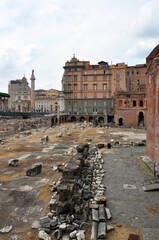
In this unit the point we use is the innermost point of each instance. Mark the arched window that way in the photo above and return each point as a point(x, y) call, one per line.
point(120, 121)
point(141, 103)
point(134, 103)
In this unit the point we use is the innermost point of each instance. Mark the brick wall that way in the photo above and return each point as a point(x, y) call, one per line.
point(130, 109)
point(152, 79)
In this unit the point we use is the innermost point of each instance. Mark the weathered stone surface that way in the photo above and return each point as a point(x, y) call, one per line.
point(36, 224)
point(73, 234)
point(102, 230)
point(108, 214)
point(53, 223)
point(58, 233)
point(80, 235)
point(102, 215)
point(95, 216)
point(6, 229)
point(43, 235)
point(100, 145)
point(110, 228)
point(45, 139)
point(15, 237)
point(34, 170)
point(94, 231)
point(59, 134)
point(13, 162)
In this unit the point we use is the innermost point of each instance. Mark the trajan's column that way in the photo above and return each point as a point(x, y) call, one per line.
point(32, 91)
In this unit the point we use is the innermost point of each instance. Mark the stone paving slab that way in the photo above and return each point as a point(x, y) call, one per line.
point(127, 201)
point(150, 234)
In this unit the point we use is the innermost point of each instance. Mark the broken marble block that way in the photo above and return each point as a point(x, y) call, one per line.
point(45, 139)
point(13, 162)
point(34, 170)
point(43, 235)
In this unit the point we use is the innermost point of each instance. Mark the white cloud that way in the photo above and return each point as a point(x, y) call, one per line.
point(42, 35)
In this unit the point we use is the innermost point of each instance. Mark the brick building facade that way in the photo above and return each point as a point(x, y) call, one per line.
point(89, 89)
point(130, 108)
point(152, 78)
point(136, 77)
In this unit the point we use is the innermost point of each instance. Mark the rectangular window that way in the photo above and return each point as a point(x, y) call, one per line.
point(104, 77)
point(117, 87)
point(94, 86)
point(138, 71)
point(69, 95)
point(104, 86)
point(95, 104)
point(85, 86)
point(105, 104)
point(69, 78)
point(85, 110)
point(117, 78)
point(95, 95)
point(75, 78)
point(95, 78)
point(120, 103)
point(95, 72)
point(85, 103)
point(104, 95)
point(138, 81)
point(75, 95)
point(85, 95)
point(85, 78)
point(75, 87)
point(85, 72)
point(69, 88)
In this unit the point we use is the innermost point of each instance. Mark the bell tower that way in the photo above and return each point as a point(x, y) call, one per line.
point(32, 91)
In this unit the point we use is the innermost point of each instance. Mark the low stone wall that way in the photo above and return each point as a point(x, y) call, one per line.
point(13, 126)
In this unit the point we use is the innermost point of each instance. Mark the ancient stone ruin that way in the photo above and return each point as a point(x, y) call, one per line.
point(78, 201)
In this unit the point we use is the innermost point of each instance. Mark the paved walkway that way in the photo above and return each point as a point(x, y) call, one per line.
point(127, 201)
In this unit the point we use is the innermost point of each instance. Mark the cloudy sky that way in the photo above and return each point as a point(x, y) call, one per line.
point(43, 35)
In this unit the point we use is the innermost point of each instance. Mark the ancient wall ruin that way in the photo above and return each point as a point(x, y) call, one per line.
point(153, 105)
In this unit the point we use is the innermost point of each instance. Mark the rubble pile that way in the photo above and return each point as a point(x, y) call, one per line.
point(100, 214)
point(69, 213)
point(78, 198)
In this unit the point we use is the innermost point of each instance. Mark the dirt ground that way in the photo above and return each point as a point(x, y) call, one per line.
point(29, 150)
